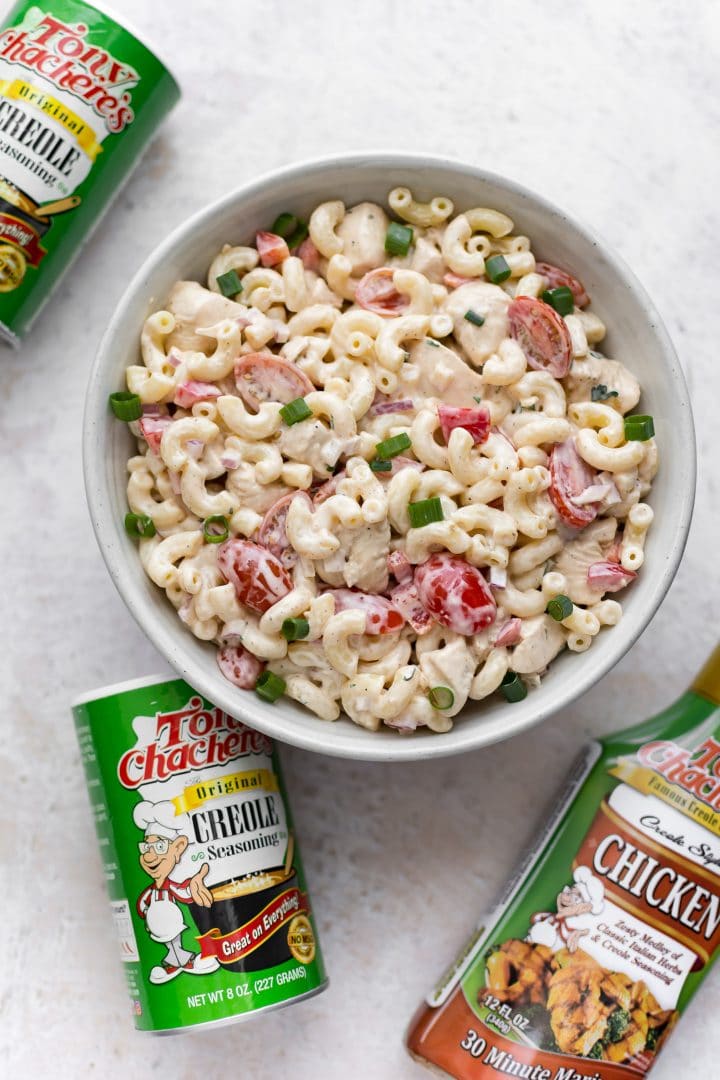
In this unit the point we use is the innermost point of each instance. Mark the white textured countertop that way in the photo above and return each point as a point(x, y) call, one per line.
point(609, 110)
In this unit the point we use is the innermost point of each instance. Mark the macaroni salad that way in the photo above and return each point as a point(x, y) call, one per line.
point(382, 464)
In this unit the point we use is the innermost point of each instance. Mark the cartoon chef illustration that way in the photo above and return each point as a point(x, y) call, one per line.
point(577, 906)
point(159, 904)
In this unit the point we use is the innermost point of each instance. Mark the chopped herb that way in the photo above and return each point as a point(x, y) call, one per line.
point(497, 269)
point(639, 428)
point(216, 529)
point(513, 687)
point(284, 225)
point(474, 318)
point(229, 283)
point(441, 697)
point(601, 393)
point(559, 608)
point(298, 237)
point(390, 448)
point(398, 238)
point(295, 411)
point(295, 629)
point(139, 526)
point(270, 686)
point(425, 512)
point(126, 406)
point(561, 299)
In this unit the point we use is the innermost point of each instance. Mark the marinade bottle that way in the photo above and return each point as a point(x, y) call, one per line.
point(599, 943)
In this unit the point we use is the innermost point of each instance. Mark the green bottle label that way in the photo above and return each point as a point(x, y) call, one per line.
point(586, 964)
point(206, 885)
point(80, 97)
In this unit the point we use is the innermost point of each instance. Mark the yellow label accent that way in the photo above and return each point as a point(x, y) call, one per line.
point(651, 783)
point(197, 794)
point(20, 90)
point(707, 681)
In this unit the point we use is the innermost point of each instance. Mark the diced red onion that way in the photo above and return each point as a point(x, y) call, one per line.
point(509, 634)
point(194, 447)
point(231, 459)
point(405, 405)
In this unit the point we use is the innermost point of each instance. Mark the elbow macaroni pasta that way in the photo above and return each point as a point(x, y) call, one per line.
point(491, 475)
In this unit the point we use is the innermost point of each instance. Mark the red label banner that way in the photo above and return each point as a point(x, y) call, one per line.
point(255, 932)
point(17, 232)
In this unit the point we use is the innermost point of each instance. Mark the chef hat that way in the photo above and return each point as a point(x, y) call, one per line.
point(160, 819)
point(591, 887)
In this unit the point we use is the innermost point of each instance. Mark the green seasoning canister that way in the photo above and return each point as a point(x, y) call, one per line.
point(206, 885)
point(80, 98)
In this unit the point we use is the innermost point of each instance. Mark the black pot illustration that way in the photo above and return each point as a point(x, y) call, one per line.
point(234, 905)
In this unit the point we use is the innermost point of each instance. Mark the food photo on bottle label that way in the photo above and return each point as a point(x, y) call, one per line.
point(586, 964)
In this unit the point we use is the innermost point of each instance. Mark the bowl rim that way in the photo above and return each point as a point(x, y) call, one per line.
point(375, 747)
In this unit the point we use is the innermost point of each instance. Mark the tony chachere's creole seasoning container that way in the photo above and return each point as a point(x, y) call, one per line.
point(584, 968)
point(206, 885)
point(80, 97)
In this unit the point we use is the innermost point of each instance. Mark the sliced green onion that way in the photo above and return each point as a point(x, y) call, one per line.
point(269, 686)
point(425, 512)
point(561, 299)
point(300, 234)
point(125, 405)
point(497, 269)
point(560, 607)
point(139, 526)
point(431, 341)
point(380, 466)
point(389, 448)
point(601, 393)
point(295, 411)
point(474, 318)
point(229, 283)
point(639, 428)
point(398, 238)
point(513, 687)
point(441, 697)
point(216, 529)
point(284, 225)
point(295, 629)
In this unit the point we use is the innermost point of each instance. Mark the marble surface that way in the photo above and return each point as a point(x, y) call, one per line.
point(610, 110)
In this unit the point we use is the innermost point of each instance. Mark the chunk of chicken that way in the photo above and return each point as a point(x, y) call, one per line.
point(427, 259)
point(250, 495)
point(595, 370)
point(361, 560)
point(489, 301)
point(453, 666)
point(542, 639)
point(574, 560)
point(434, 370)
point(193, 306)
point(313, 443)
point(362, 232)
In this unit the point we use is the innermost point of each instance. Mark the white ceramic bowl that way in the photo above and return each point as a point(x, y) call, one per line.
point(636, 335)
